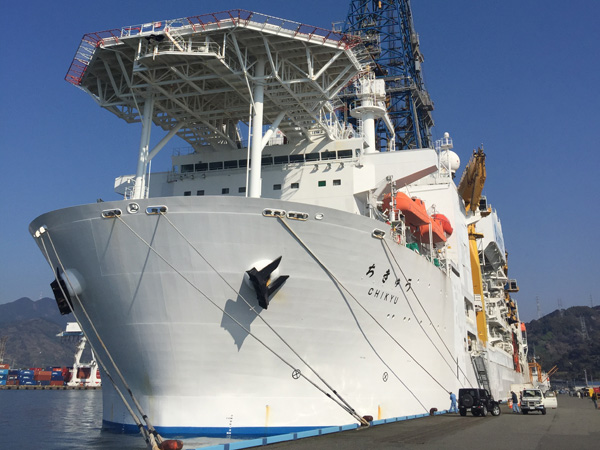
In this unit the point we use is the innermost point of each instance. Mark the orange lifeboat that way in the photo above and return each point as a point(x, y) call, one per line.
point(436, 230)
point(413, 208)
point(444, 222)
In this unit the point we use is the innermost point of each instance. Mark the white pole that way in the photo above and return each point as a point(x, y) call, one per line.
point(369, 131)
point(138, 190)
point(164, 141)
point(257, 124)
point(271, 130)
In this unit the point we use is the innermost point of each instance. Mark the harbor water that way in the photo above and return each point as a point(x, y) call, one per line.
point(65, 420)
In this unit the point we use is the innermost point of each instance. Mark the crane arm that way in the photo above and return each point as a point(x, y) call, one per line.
point(473, 179)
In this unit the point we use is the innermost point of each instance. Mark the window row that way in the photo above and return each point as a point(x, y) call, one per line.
point(266, 161)
point(276, 187)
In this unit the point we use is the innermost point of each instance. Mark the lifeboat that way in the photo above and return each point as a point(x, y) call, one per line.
point(436, 230)
point(413, 208)
point(444, 222)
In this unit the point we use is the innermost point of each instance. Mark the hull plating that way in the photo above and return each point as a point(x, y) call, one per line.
point(365, 317)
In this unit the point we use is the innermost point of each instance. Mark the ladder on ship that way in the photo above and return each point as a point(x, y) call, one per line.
point(481, 372)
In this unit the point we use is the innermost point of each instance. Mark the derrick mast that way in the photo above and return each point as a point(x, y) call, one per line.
point(386, 28)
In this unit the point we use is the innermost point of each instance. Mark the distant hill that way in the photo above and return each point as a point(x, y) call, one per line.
point(558, 339)
point(26, 309)
point(555, 339)
point(31, 328)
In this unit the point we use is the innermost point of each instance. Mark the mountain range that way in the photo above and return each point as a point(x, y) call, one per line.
point(566, 338)
point(30, 328)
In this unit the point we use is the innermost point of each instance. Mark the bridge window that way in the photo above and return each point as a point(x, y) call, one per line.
point(322, 183)
point(225, 191)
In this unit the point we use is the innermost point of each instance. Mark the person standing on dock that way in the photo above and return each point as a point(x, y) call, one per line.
point(595, 399)
point(453, 407)
point(515, 402)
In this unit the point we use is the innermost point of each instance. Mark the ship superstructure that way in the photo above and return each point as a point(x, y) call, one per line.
point(301, 275)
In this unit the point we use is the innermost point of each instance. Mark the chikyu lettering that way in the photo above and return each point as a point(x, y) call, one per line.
point(370, 272)
point(385, 296)
point(385, 276)
point(397, 283)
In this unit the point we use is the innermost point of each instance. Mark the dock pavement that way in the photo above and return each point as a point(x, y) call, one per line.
point(574, 425)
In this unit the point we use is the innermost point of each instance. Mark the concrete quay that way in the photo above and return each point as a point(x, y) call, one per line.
point(574, 425)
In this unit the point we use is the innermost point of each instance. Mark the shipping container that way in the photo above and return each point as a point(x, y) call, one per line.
point(4, 371)
point(57, 383)
point(4, 366)
point(42, 375)
point(2, 382)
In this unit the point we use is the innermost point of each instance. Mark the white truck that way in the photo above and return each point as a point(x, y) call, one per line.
point(532, 400)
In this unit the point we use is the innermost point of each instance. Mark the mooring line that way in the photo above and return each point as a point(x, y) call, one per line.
point(252, 308)
point(150, 434)
point(426, 314)
point(296, 371)
point(330, 273)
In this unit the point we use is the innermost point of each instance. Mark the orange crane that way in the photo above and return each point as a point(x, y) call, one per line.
point(470, 189)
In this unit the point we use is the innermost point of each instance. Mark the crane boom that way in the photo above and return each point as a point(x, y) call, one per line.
point(473, 179)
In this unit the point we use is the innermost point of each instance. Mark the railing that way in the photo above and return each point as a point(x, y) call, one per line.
point(235, 17)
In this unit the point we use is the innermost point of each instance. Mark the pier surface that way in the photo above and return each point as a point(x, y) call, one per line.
point(575, 424)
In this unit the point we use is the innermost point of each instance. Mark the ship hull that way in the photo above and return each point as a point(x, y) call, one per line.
point(169, 297)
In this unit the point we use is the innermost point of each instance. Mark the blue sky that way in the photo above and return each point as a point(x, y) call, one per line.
point(521, 77)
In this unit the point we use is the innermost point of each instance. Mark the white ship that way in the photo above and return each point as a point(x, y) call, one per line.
point(302, 279)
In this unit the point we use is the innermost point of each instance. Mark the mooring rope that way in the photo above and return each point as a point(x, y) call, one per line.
point(330, 273)
point(253, 309)
point(426, 315)
point(450, 366)
point(296, 371)
point(150, 435)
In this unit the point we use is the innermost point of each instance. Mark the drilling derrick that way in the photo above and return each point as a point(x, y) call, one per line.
point(386, 28)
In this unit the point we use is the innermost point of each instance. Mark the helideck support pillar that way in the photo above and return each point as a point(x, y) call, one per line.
point(139, 189)
point(258, 93)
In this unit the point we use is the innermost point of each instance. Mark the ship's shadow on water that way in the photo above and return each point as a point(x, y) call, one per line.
point(241, 310)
